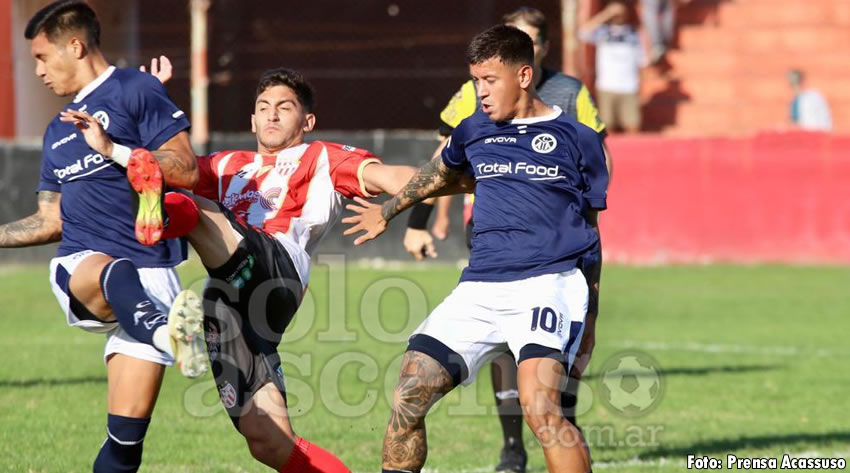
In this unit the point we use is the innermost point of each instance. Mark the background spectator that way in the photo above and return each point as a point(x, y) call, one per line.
point(619, 59)
point(809, 109)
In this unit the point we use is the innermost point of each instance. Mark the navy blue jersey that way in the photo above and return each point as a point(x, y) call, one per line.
point(535, 178)
point(97, 212)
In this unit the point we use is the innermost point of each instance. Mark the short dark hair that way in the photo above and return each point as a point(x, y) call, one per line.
point(290, 78)
point(65, 16)
point(532, 17)
point(509, 44)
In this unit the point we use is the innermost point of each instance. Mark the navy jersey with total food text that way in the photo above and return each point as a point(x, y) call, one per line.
point(96, 206)
point(535, 178)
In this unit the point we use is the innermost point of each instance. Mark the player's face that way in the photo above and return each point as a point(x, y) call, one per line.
point(279, 120)
point(55, 65)
point(541, 48)
point(500, 86)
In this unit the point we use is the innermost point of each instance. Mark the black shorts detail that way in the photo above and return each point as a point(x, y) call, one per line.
point(248, 303)
point(448, 358)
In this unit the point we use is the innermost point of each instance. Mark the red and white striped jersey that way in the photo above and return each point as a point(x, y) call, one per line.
point(297, 192)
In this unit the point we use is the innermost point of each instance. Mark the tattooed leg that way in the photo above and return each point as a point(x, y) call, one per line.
point(422, 382)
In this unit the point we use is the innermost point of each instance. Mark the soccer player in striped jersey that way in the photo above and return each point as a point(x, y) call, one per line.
point(255, 220)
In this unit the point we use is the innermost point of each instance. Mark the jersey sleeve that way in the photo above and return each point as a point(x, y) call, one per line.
point(461, 105)
point(454, 153)
point(587, 112)
point(346, 168)
point(592, 167)
point(47, 180)
point(156, 116)
point(207, 185)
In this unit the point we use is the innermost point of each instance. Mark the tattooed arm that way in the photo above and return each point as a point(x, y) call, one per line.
point(176, 157)
point(44, 226)
point(177, 161)
point(433, 178)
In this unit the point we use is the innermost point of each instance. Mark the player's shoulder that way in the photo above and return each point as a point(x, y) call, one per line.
point(134, 80)
point(338, 148)
point(571, 126)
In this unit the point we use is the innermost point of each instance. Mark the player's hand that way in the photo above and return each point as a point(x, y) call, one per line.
point(92, 130)
point(440, 228)
point(419, 243)
point(161, 69)
point(367, 217)
point(585, 350)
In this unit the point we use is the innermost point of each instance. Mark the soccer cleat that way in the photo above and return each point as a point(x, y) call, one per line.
point(512, 459)
point(185, 327)
point(145, 178)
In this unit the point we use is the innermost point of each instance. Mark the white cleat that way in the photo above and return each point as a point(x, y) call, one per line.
point(185, 327)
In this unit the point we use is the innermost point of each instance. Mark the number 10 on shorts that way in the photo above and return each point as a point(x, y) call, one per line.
point(545, 317)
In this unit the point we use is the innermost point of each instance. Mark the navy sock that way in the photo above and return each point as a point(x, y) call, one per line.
point(136, 312)
point(122, 450)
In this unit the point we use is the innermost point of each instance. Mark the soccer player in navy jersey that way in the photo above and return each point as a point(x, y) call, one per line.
point(540, 179)
point(106, 281)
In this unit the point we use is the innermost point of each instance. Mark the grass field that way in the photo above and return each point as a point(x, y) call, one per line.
point(754, 362)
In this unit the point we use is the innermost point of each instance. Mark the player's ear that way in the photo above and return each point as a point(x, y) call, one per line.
point(309, 122)
point(525, 75)
point(253, 124)
point(76, 48)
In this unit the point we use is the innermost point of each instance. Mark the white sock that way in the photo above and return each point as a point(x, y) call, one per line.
point(162, 341)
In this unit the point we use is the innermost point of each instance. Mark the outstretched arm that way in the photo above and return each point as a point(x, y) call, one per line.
point(430, 180)
point(44, 226)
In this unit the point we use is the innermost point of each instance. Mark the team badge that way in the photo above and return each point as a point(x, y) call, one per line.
point(102, 117)
point(544, 143)
point(285, 167)
point(227, 395)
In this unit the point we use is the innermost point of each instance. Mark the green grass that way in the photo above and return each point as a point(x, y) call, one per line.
point(754, 360)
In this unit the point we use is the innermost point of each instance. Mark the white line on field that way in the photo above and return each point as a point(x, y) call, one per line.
point(719, 348)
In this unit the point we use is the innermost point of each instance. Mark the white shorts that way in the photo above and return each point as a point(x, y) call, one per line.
point(161, 284)
point(535, 317)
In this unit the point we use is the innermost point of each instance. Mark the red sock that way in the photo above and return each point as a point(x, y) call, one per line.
point(309, 458)
point(183, 215)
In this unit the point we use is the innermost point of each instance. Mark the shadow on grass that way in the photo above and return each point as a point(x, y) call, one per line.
point(29, 383)
point(727, 445)
point(697, 371)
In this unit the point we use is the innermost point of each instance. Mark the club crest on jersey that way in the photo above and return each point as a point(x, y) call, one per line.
point(286, 167)
point(227, 395)
point(544, 143)
point(102, 117)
